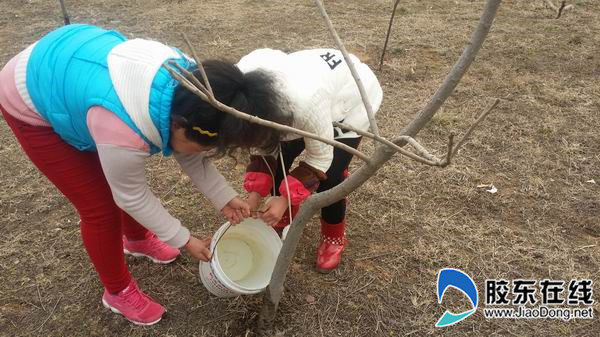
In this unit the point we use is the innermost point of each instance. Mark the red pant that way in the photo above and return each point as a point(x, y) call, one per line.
point(78, 175)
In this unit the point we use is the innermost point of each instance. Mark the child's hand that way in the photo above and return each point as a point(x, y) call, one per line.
point(236, 210)
point(200, 249)
point(273, 210)
point(254, 200)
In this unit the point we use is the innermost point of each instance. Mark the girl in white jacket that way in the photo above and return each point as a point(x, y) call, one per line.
point(320, 90)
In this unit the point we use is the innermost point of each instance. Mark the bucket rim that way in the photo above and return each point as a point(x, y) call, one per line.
point(217, 270)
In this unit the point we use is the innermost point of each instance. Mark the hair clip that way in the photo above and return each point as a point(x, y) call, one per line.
point(204, 132)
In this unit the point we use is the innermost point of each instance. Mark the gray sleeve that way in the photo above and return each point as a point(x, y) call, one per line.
point(207, 178)
point(124, 171)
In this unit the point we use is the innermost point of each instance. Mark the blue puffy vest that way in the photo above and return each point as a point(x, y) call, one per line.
point(67, 74)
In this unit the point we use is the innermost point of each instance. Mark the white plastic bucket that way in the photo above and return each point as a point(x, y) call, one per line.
point(243, 260)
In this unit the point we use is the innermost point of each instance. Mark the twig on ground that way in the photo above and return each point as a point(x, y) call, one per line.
point(320, 324)
point(374, 256)
point(363, 287)
point(19, 299)
point(172, 188)
point(184, 268)
point(559, 10)
point(40, 296)
point(220, 318)
point(337, 305)
point(51, 313)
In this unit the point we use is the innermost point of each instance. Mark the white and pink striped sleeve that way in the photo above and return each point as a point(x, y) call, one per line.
point(122, 154)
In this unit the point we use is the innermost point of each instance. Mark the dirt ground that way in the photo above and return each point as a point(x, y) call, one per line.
point(540, 148)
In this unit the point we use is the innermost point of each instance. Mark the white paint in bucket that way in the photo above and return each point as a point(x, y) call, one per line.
point(243, 260)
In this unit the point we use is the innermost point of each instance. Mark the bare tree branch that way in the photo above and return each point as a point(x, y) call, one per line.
point(193, 79)
point(361, 87)
point(252, 119)
point(64, 12)
point(477, 122)
point(423, 157)
point(417, 146)
point(457, 72)
point(449, 153)
point(382, 154)
point(199, 64)
point(387, 36)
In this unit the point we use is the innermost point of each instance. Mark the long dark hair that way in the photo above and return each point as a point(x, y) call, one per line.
point(253, 93)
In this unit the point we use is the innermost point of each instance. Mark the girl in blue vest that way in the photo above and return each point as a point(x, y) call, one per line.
point(88, 106)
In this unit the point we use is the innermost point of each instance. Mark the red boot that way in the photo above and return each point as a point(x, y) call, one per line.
point(333, 240)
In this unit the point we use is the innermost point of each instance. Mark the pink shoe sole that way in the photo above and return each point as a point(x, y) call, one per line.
point(148, 256)
point(116, 311)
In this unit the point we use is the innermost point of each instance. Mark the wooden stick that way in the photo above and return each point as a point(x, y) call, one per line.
point(477, 122)
point(193, 79)
point(51, 313)
point(40, 296)
point(361, 88)
point(424, 158)
point(418, 147)
point(558, 10)
point(199, 64)
point(387, 36)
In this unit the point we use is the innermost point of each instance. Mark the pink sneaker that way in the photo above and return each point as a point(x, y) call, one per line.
point(136, 306)
point(152, 248)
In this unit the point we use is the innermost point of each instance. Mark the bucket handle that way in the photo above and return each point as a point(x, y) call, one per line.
point(212, 253)
point(287, 187)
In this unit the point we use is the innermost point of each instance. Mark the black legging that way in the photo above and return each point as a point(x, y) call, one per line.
point(335, 212)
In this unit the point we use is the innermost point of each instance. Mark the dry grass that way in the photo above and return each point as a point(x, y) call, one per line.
point(539, 148)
